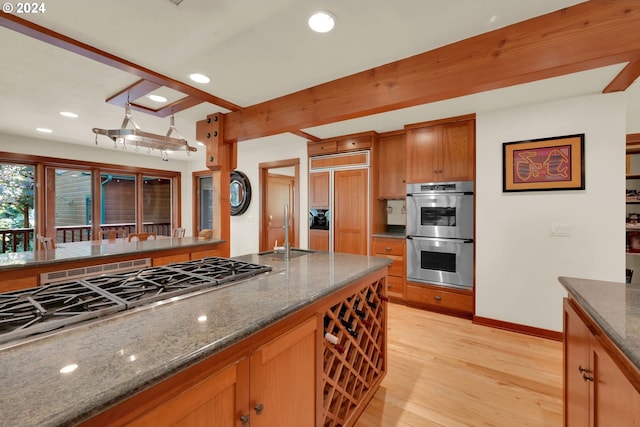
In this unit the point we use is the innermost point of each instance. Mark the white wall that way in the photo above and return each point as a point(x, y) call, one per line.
point(245, 228)
point(103, 153)
point(517, 262)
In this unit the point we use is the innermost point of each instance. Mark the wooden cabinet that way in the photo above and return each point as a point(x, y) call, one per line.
point(319, 240)
point(438, 298)
point(343, 144)
point(597, 392)
point(209, 403)
point(392, 165)
point(283, 380)
point(319, 190)
point(441, 151)
point(350, 211)
point(274, 385)
point(393, 249)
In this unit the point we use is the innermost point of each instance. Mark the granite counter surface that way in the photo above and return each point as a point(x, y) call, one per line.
point(73, 251)
point(118, 356)
point(615, 307)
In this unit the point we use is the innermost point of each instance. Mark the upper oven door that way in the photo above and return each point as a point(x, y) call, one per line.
point(440, 215)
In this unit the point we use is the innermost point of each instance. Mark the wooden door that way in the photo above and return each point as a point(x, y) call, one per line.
point(350, 211)
point(457, 151)
point(284, 379)
point(422, 152)
point(576, 355)
point(280, 192)
point(319, 190)
point(392, 158)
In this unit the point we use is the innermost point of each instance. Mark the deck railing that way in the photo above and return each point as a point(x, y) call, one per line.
point(21, 239)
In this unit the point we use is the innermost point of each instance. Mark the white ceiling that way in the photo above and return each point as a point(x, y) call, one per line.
point(253, 50)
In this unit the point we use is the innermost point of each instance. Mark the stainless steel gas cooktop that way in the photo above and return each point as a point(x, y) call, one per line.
point(36, 310)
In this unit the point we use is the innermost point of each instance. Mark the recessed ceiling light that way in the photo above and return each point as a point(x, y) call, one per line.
point(69, 114)
point(199, 78)
point(322, 21)
point(44, 130)
point(157, 98)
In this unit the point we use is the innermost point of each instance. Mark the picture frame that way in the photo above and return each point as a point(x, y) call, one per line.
point(546, 164)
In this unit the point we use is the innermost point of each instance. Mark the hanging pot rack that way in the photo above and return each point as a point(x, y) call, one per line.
point(173, 140)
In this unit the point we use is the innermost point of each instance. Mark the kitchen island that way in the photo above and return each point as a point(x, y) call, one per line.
point(23, 269)
point(602, 353)
point(73, 375)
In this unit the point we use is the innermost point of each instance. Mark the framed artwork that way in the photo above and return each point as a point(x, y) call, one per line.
point(544, 164)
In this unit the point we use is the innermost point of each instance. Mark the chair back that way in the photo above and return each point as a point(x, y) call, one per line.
point(142, 236)
point(112, 235)
point(206, 233)
point(44, 242)
point(179, 232)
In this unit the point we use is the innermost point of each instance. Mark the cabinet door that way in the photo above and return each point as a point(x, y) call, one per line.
point(422, 154)
point(284, 379)
point(215, 402)
point(613, 395)
point(319, 240)
point(457, 151)
point(392, 166)
point(350, 211)
point(576, 356)
point(319, 190)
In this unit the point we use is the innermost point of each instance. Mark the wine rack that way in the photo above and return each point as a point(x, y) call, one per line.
point(356, 364)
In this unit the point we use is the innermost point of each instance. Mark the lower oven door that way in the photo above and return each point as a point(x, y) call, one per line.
point(445, 262)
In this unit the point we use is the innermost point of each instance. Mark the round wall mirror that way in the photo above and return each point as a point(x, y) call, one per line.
point(240, 193)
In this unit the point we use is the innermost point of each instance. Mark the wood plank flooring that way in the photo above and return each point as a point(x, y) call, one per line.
point(446, 371)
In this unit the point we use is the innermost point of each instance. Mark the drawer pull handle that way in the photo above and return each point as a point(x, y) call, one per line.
point(387, 248)
point(437, 298)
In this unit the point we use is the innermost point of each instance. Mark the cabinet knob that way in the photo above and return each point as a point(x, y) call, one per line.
point(586, 373)
point(259, 408)
point(437, 298)
point(244, 419)
point(387, 248)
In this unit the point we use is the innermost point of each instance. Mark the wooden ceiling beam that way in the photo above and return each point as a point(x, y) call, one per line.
point(15, 23)
point(582, 37)
point(625, 78)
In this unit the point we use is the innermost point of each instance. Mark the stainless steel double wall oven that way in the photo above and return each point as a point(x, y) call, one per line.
point(440, 233)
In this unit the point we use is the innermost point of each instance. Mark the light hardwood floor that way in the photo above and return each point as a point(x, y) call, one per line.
point(446, 371)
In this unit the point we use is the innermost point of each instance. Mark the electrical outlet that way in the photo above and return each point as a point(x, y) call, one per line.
point(560, 230)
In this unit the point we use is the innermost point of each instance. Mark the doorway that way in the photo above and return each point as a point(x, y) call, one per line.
point(279, 185)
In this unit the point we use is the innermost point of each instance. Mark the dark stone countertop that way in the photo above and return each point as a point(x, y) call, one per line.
point(615, 307)
point(121, 355)
point(96, 249)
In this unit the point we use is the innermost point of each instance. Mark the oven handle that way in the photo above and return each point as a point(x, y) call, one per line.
point(436, 239)
point(466, 193)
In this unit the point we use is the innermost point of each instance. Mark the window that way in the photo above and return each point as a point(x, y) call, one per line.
point(118, 202)
point(17, 206)
point(72, 205)
point(156, 207)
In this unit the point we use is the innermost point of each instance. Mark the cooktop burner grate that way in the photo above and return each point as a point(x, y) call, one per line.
point(35, 310)
point(45, 308)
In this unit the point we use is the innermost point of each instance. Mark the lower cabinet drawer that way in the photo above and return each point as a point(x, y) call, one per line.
point(461, 301)
point(395, 286)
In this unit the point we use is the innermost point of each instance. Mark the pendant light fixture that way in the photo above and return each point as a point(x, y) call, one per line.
point(172, 141)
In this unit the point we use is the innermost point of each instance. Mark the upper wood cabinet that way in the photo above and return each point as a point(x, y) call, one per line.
point(392, 165)
point(343, 144)
point(319, 190)
point(440, 151)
